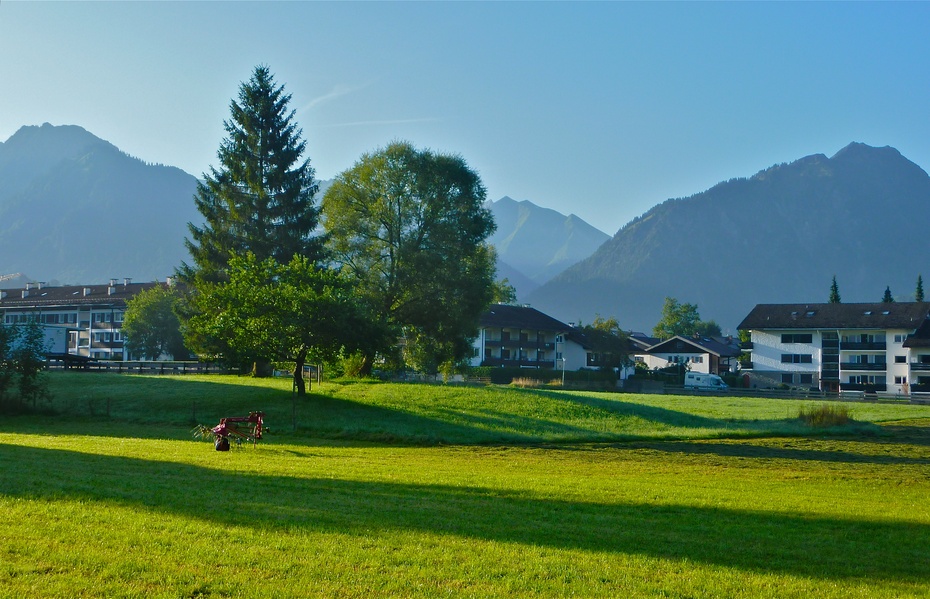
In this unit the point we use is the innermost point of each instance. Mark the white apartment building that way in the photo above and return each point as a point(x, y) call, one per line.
point(882, 347)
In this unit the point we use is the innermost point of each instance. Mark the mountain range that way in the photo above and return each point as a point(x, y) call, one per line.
point(779, 236)
point(534, 244)
point(75, 209)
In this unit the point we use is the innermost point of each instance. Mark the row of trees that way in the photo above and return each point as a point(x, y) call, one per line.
point(395, 249)
point(886, 298)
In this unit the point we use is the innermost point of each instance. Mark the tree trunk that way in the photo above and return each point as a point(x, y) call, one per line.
point(299, 373)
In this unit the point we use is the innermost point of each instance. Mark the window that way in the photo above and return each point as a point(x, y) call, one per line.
point(796, 358)
point(107, 337)
point(900, 380)
point(807, 379)
point(698, 359)
point(117, 336)
point(787, 378)
point(797, 338)
point(118, 317)
point(900, 359)
point(559, 339)
point(98, 337)
point(899, 338)
point(505, 354)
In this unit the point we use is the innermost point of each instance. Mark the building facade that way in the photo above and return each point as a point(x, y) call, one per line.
point(881, 347)
point(524, 337)
point(84, 320)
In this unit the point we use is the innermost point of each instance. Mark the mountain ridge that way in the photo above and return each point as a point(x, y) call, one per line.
point(777, 236)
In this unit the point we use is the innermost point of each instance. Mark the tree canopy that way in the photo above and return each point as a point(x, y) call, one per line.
point(294, 311)
point(152, 326)
point(834, 292)
point(682, 319)
point(261, 198)
point(409, 227)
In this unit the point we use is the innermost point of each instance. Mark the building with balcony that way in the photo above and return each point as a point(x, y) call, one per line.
point(87, 319)
point(524, 337)
point(842, 347)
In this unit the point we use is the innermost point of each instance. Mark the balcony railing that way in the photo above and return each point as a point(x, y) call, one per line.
point(519, 363)
point(864, 366)
point(920, 366)
point(863, 387)
point(864, 345)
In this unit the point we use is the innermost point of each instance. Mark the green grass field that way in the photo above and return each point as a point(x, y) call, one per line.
point(407, 490)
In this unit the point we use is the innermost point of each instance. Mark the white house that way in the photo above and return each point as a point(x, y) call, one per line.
point(842, 347)
point(709, 355)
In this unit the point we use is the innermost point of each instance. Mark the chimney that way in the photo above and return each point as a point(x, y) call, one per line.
point(28, 287)
point(170, 281)
point(86, 291)
point(126, 281)
point(111, 289)
point(26, 291)
point(2, 294)
point(40, 284)
point(112, 282)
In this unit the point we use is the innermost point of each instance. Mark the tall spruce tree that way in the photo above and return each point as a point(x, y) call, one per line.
point(887, 298)
point(919, 294)
point(261, 198)
point(834, 292)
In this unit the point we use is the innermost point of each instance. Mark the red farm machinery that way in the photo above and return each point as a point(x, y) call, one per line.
point(239, 428)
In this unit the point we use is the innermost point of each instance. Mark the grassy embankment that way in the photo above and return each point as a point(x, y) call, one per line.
point(534, 496)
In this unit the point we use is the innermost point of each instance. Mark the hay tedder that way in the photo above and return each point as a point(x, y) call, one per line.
point(241, 428)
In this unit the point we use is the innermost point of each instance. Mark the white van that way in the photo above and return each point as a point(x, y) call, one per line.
point(699, 380)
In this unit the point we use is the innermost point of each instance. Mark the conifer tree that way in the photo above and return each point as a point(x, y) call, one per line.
point(887, 299)
point(834, 292)
point(919, 294)
point(259, 201)
point(261, 198)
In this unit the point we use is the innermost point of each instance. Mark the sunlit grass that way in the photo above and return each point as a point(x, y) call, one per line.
point(121, 516)
point(422, 491)
point(426, 414)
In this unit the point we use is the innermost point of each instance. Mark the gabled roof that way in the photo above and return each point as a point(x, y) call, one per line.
point(506, 316)
point(641, 341)
point(695, 345)
point(892, 315)
point(72, 295)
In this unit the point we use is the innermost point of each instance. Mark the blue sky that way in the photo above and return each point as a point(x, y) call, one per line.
point(599, 109)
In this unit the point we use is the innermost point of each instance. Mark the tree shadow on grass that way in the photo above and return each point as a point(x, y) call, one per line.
point(747, 449)
point(821, 548)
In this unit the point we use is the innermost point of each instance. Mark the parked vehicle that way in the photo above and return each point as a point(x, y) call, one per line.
point(699, 380)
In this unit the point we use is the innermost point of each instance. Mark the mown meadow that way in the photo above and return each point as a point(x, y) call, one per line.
point(371, 489)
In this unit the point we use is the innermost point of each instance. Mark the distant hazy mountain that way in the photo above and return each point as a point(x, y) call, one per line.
point(75, 209)
point(538, 243)
point(777, 237)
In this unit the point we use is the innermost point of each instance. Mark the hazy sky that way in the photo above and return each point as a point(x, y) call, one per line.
point(599, 109)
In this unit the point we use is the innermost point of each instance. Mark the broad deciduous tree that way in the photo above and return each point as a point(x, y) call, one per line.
point(294, 311)
point(152, 326)
point(682, 319)
point(410, 227)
